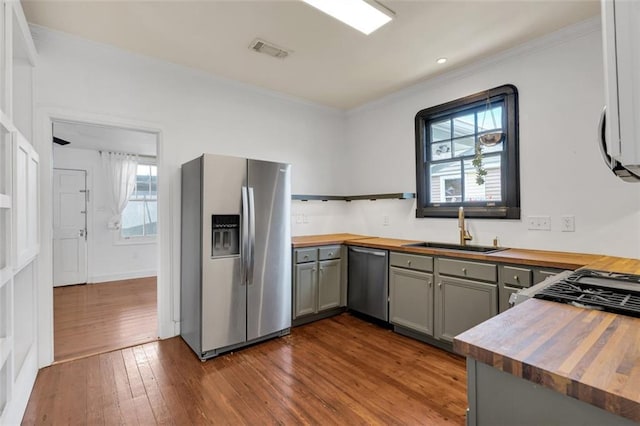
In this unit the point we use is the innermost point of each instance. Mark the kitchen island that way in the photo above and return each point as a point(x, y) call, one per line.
point(543, 362)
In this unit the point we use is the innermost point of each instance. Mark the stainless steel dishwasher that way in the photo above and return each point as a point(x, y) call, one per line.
point(368, 282)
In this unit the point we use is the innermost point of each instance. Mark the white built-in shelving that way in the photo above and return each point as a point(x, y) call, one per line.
point(19, 214)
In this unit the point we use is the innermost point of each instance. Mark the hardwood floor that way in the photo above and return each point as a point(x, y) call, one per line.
point(95, 318)
point(340, 370)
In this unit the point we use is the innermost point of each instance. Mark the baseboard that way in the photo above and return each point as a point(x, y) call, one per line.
point(121, 276)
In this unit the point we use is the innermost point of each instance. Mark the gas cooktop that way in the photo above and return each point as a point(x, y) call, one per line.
point(587, 288)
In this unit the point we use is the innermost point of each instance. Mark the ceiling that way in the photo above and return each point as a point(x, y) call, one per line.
point(331, 64)
point(105, 138)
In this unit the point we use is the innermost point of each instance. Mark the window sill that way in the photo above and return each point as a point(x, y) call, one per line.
point(470, 212)
point(135, 241)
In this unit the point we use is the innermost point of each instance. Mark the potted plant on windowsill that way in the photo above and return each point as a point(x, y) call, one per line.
point(486, 140)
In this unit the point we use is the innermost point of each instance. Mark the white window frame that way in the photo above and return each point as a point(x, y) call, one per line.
point(143, 239)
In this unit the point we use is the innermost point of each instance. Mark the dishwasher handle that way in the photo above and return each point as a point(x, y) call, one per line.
point(373, 252)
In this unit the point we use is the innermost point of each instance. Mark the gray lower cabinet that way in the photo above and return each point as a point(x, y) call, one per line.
point(411, 299)
point(499, 398)
point(329, 288)
point(441, 297)
point(462, 304)
point(306, 288)
point(317, 280)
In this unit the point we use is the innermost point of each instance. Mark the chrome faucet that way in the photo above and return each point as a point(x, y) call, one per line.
point(464, 234)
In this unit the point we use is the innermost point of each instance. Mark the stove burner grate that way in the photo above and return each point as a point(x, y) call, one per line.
point(598, 290)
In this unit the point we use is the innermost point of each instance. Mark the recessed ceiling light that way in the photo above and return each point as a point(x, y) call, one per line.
point(365, 16)
point(441, 60)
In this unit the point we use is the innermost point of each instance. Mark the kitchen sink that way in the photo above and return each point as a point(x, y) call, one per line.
point(458, 247)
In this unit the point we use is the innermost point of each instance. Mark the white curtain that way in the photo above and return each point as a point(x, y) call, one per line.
point(120, 170)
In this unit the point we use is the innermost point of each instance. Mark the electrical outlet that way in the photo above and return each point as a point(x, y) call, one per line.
point(539, 223)
point(385, 220)
point(568, 223)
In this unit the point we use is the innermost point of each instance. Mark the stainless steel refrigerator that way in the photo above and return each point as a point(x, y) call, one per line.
point(235, 253)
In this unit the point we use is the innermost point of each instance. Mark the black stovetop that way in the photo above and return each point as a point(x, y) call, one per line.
point(607, 291)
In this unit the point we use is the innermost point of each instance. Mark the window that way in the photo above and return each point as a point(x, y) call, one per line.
point(140, 216)
point(454, 168)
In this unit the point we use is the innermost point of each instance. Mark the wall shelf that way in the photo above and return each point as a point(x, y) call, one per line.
point(372, 197)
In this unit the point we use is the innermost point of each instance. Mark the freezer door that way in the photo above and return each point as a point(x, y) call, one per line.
point(224, 292)
point(269, 273)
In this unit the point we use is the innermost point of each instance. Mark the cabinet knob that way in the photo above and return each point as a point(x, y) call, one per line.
point(430, 284)
point(330, 253)
point(321, 269)
point(464, 271)
point(306, 256)
point(517, 278)
point(313, 269)
point(408, 263)
point(439, 284)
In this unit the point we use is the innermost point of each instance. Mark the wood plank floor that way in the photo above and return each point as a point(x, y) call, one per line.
point(95, 318)
point(340, 370)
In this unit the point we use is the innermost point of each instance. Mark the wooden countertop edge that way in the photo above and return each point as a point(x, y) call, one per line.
point(323, 240)
point(518, 256)
point(598, 397)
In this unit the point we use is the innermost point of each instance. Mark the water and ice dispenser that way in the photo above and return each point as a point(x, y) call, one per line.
point(225, 235)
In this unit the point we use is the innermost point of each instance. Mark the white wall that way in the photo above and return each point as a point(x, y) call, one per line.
point(561, 94)
point(109, 259)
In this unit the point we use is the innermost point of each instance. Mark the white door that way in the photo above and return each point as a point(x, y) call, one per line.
point(69, 227)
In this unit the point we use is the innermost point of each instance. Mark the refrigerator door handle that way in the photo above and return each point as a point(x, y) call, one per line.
point(252, 237)
point(602, 139)
point(244, 254)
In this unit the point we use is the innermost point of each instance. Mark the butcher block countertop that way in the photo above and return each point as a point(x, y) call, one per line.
point(323, 240)
point(542, 258)
point(589, 355)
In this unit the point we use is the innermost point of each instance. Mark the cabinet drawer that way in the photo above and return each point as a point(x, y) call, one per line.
point(465, 269)
point(329, 252)
point(540, 275)
point(306, 255)
point(517, 277)
point(411, 261)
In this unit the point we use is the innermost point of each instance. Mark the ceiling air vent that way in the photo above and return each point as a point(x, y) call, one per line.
point(267, 48)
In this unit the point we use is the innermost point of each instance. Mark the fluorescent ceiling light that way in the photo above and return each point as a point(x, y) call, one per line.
point(359, 14)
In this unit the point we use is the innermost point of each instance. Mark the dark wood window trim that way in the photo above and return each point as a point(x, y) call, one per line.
point(509, 206)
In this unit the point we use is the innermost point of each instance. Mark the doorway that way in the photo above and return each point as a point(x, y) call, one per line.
point(105, 253)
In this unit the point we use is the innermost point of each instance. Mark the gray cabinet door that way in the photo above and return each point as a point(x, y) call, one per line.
point(411, 299)
point(462, 304)
point(306, 288)
point(329, 284)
